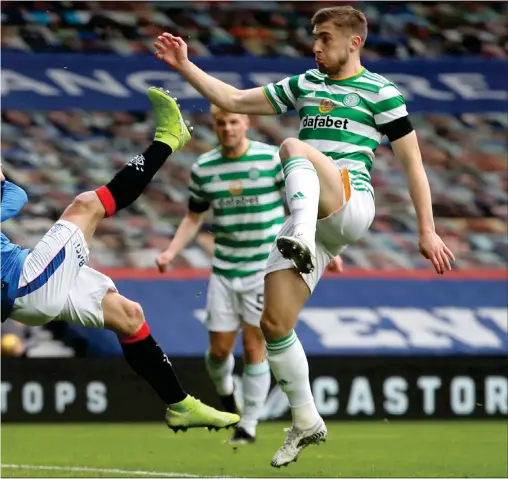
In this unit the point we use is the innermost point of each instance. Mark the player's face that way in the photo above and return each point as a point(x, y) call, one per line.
point(231, 128)
point(333, 47)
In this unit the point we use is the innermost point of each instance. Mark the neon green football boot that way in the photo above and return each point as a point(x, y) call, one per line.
point(170, 127)
point(191, 412)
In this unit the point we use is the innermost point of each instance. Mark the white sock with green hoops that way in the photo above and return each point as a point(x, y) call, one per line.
point(302, 192)
point(256, 386)
point(291, 370)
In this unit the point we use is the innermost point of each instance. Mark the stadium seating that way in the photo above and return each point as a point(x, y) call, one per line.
point(56, 155)
point(402, 29)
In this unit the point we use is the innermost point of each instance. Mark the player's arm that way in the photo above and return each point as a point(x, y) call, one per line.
point(186, 232)
point(392, 119)
point(13, 199)
point(190, 225)
point(249, 102)
point(406, 149)
point(173, 51)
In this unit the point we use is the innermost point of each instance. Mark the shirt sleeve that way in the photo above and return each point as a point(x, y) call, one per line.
point(283, 94)
point(390, 113)
point(198, 200)
point(13, 199)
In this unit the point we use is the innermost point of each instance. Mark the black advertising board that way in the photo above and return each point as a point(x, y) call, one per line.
point(106, 390)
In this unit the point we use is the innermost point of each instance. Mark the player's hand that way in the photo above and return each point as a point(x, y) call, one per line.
point(163, 261)
point(432, 247)
point(2, 177)
point(335, 265)
point(171, 50)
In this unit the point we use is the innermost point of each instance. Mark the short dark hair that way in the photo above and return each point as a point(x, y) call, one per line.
point(344, 16)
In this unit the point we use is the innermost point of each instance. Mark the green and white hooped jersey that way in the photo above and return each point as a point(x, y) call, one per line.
point(246, 195)
point(341, 118)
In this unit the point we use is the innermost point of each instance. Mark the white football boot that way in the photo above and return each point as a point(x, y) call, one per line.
point(296, 441)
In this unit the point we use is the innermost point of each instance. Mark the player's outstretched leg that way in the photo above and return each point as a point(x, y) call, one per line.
point(171, 134)
point(144, 355)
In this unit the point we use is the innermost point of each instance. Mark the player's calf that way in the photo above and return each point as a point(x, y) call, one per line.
point(253, 342)
point(142, 353)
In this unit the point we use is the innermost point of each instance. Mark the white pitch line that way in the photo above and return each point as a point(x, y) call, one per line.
point(112, 471)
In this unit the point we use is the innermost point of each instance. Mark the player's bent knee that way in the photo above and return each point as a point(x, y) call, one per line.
point(219, 350)
point(222, 344)
point(291, 147)
point(219, 354)
point(134, 317)
point(86, 203)
point(272, 326)
point(122, 316)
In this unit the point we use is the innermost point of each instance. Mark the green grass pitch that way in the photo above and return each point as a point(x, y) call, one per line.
point(353, 449)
